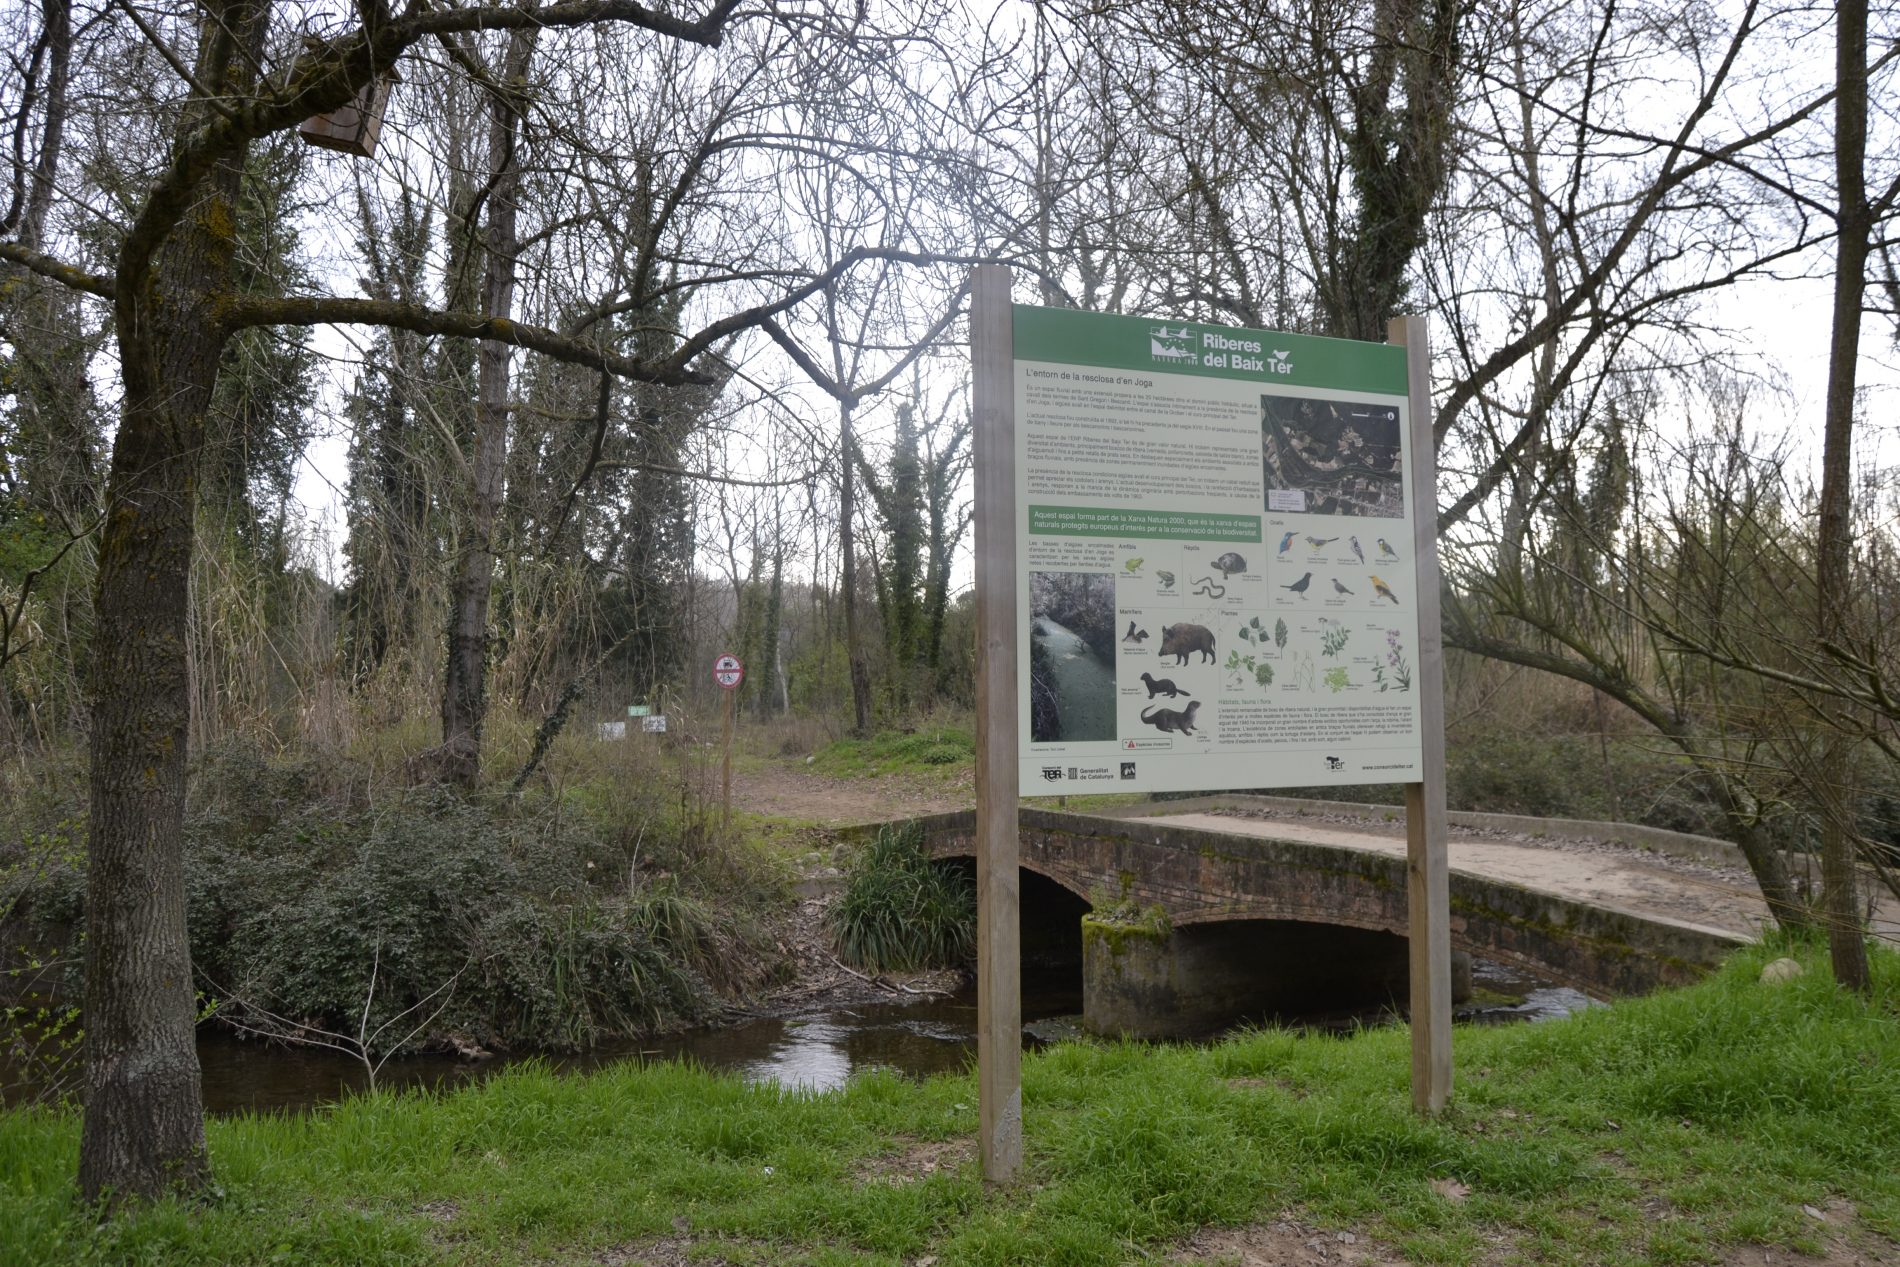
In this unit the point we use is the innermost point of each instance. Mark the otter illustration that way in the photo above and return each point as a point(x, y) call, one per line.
point(1181, 641)
point(1230, 563)
point(1168, 720)
point(1160, 686)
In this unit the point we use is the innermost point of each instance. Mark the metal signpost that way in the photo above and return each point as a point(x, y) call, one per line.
point(1217, 549)
point(728, 672)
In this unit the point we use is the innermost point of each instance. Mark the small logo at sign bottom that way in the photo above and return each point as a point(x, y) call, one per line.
point(1128, 769)
point(1052, 772)
point(1334, 763)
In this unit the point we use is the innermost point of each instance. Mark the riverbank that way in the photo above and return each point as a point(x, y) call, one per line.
point(1732, 1122)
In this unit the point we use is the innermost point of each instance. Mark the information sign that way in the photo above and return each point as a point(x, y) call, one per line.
point(1214, 557)
point(639, 710)
point(654, 723)
point(728, 672)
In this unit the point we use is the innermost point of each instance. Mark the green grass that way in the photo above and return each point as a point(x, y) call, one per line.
point(932, 749)
point(1671, 1129)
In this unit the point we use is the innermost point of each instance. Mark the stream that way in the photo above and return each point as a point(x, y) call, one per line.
point(812, 1052)
point(1084, 686)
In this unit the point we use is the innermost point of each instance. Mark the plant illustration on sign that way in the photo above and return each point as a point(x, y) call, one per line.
point(1336, 680)
point(1401, 679)
point(1333, 640)
point(1241, 667)
point(1279, 634)
point(1305, 676)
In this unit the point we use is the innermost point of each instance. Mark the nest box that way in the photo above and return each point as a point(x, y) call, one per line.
point(352, 128)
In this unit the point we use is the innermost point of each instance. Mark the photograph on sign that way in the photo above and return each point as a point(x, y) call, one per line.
point(1214, 557)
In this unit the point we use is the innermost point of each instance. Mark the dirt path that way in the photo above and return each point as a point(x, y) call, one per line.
point(779, 790)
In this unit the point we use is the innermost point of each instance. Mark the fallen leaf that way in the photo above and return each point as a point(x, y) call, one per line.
point(1814, 1214)
point(1450, 1189)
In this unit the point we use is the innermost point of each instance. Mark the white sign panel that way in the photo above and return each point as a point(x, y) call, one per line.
point(1214, 555)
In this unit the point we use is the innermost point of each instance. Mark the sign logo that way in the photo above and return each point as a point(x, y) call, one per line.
point(1279, 364)
point(1051, 773)
point(1172, 345)
point(1128, 769)
point(1334, 763)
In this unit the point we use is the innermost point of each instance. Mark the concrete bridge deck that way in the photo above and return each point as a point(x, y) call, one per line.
point(1690, 880)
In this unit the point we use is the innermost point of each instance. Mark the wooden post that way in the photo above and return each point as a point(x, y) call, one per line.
point(726, 795)
point(999, 1004)
point(1427, 879)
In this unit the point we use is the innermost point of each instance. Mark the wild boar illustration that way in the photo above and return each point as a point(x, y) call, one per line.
point(1181, 641)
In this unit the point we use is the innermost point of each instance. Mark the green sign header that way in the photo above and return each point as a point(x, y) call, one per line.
point(1271, 357)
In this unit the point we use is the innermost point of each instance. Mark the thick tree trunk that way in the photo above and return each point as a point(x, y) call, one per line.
point(1847, 944)
point(142, 1135)
point(1397, 145)
point(464, 686)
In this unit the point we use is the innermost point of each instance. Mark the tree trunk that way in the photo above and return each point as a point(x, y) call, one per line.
point(768, 692)
point(853, 637)
point(142, 1134)
point(464, 686)
point(1847, 945)
point(1397, 146)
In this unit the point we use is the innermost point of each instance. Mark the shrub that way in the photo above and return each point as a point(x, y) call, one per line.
point(900, 912)
point(557, 928)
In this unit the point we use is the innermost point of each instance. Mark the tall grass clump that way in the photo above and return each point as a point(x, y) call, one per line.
point(900, 912)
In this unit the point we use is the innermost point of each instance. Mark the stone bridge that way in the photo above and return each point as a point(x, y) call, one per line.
point(1199, 927)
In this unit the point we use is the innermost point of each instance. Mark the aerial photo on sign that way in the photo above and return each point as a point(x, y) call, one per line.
point(1214, 556)
point(1330, 457)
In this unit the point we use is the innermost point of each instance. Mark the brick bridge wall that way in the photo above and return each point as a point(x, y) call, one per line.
point(1203, 877)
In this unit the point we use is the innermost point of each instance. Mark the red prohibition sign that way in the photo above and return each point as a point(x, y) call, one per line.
point(728, 672)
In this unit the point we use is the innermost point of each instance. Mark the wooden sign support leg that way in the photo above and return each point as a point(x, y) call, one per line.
point(999, 1043)
point(1428, 881)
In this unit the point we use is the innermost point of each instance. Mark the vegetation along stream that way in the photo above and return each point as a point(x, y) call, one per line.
point(816, 1050)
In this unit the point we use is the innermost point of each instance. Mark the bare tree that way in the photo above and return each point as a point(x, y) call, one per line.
point(231, 74)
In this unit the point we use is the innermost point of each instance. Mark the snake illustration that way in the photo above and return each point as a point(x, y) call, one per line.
point(1205, 585)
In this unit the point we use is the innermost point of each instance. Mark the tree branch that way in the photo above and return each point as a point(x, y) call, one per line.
point(313, 310)
point(60, 271)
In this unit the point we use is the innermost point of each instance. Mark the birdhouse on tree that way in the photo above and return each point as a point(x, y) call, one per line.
point(352, 128)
